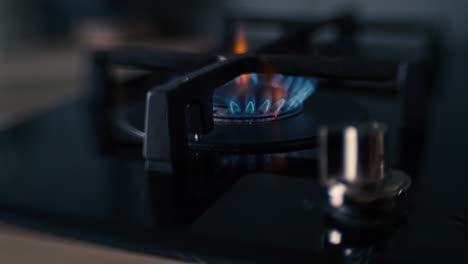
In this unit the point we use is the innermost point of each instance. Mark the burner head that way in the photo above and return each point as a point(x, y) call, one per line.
point(261, 97)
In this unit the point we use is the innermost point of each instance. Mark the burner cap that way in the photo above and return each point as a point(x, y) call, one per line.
point(297, 132)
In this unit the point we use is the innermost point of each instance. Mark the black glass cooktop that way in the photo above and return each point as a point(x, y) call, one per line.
point(54, 179)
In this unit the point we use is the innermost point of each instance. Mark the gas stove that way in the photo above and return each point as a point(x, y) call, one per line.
point(272, 98)
point(248, 154)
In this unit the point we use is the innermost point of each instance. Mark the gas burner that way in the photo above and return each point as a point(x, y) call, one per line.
point(179, 114)
point(261, 97)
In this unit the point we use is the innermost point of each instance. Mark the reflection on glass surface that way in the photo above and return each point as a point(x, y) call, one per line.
point(334, 237)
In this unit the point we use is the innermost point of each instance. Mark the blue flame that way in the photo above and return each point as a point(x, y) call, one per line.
point(288, 82)
point(297, 84)
point(253, 77)
point(292, 103)
point(277, 80)
point(278, 106)
point(258, 99)
point(265, 106)
point(300, 93)
point(307, 89)
point(250, 108)
point(234, 107)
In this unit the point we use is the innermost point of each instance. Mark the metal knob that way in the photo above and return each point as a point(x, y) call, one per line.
point(353, 161)
point(353, 154)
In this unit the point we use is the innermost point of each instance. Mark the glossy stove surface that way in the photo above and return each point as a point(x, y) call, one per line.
point(54, 179)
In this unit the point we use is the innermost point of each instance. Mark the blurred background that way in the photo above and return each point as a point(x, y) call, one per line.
point(44, 47)
point(42, 42)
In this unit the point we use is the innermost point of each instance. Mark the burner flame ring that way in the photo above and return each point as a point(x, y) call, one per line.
point(223, 115)
point(255, 97)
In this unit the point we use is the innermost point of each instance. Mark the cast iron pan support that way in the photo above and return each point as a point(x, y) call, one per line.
point(105, 88)
point(184, 107)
